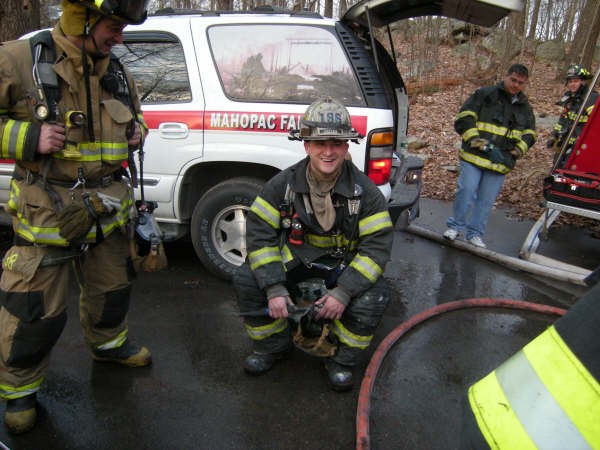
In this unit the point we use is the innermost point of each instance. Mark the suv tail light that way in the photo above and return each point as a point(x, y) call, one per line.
point(380, 145)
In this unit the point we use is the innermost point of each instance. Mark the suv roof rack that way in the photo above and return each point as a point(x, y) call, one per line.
point(264, 9)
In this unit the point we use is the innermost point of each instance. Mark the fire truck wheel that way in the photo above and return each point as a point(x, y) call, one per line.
point(218, 226)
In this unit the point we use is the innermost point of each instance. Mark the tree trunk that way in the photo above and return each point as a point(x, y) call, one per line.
point(328, 8)
point(18, 17)
point(591, 38)
point(534, 19)
point(587, 18)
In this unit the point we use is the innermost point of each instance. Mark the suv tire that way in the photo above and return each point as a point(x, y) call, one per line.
point(218, 226)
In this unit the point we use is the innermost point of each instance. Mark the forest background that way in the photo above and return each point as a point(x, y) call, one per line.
point(442, 62)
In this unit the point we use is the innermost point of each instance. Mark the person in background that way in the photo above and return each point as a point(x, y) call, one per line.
point(497, 127)
point(571, 101)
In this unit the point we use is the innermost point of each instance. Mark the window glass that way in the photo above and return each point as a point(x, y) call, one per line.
point(282, 63)
point(158, 67)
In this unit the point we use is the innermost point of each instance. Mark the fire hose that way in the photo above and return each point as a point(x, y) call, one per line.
point(364, 398)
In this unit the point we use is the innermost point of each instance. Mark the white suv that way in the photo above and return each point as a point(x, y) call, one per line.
point(220, 92)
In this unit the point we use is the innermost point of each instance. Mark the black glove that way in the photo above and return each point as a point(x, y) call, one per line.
point(551, 143)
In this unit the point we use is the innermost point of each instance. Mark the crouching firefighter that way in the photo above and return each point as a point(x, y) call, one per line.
point(69, 117)
point(320, 219)
point(547, 396)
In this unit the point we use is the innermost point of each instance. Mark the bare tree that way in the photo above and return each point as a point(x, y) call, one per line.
point(17, 17)
point(587, 31)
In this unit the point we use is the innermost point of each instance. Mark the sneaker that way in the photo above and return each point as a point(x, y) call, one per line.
point(340, 376)
point(477, 242)
point(451, 234)
point(21, 414)
point(127, 355)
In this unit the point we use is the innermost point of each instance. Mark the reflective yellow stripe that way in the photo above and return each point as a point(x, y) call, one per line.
point(266, 212)
point(264, 256)
point(264, 331)
point(374, 223)
point(571, 384)
point(286, 254)
point(349, 338)
point(320, 241)
point(9, 392)
point(99, 151)
point(470, 133)
point(51, 236)
point(114, 343)
point(483, 162)
point(542, 397)
point(13, 138)
point(497, 421)
point(366, 267)
point(466, 113)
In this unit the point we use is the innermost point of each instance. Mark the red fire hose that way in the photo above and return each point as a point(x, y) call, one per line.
point(364, 398)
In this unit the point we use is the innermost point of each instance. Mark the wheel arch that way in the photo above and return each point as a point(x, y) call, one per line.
point(200, 178)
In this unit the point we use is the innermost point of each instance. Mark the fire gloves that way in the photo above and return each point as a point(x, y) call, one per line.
point(76, 219)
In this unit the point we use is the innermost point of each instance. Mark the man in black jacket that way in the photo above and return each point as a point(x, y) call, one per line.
point(497, 126)
point(319, 219)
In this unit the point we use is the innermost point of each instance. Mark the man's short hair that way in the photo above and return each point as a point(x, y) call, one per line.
point(519, 69)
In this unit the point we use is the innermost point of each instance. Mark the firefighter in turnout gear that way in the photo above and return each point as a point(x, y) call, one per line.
point(69, 117)
point(320, 219)
point(546, 396)
point(575, 81)
point(497, 127)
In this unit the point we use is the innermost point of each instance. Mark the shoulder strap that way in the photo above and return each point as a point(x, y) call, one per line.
point(43, 54)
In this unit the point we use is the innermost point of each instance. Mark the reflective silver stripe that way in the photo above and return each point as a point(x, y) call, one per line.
point(264, 331)
point(349, 338)
point(114, 343)
point(266, 212)
point(264, 256)
point(542, 417)
point(374, 223)
point(11, 392)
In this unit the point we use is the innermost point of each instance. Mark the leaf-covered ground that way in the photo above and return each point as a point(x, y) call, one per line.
point(434, 103)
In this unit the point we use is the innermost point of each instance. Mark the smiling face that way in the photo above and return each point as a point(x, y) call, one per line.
point(326, 157)
point(573, 84)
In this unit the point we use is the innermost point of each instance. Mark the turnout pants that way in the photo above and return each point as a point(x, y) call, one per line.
point(33, 307)
point(354, 331)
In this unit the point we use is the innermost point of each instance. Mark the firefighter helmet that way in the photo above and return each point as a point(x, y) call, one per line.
point(577, 71)
point(126, 11)
point(325, 119)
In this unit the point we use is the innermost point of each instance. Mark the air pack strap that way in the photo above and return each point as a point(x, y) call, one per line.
point(46, 83)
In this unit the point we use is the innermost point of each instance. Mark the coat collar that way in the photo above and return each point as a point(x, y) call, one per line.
point(344, 185)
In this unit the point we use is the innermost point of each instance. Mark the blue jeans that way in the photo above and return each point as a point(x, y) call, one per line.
point(476, 193)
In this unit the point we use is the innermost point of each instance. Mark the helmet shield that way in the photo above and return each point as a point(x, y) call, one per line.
point(327, 119)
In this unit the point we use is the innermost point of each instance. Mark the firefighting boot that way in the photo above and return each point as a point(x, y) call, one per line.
point(258, 363)
point(340, 376)
point(20, 415)
point(127, 355)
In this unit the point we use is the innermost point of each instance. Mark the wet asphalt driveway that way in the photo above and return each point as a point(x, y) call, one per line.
point(196, 396)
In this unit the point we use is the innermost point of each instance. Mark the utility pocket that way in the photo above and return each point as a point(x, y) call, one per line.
point(114, 127)
point(23, 261)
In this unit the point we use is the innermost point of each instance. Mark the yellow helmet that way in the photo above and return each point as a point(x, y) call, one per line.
point(73, 17)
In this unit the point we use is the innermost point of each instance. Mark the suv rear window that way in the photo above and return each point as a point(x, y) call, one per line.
point(300, 65)
point(157, 64)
